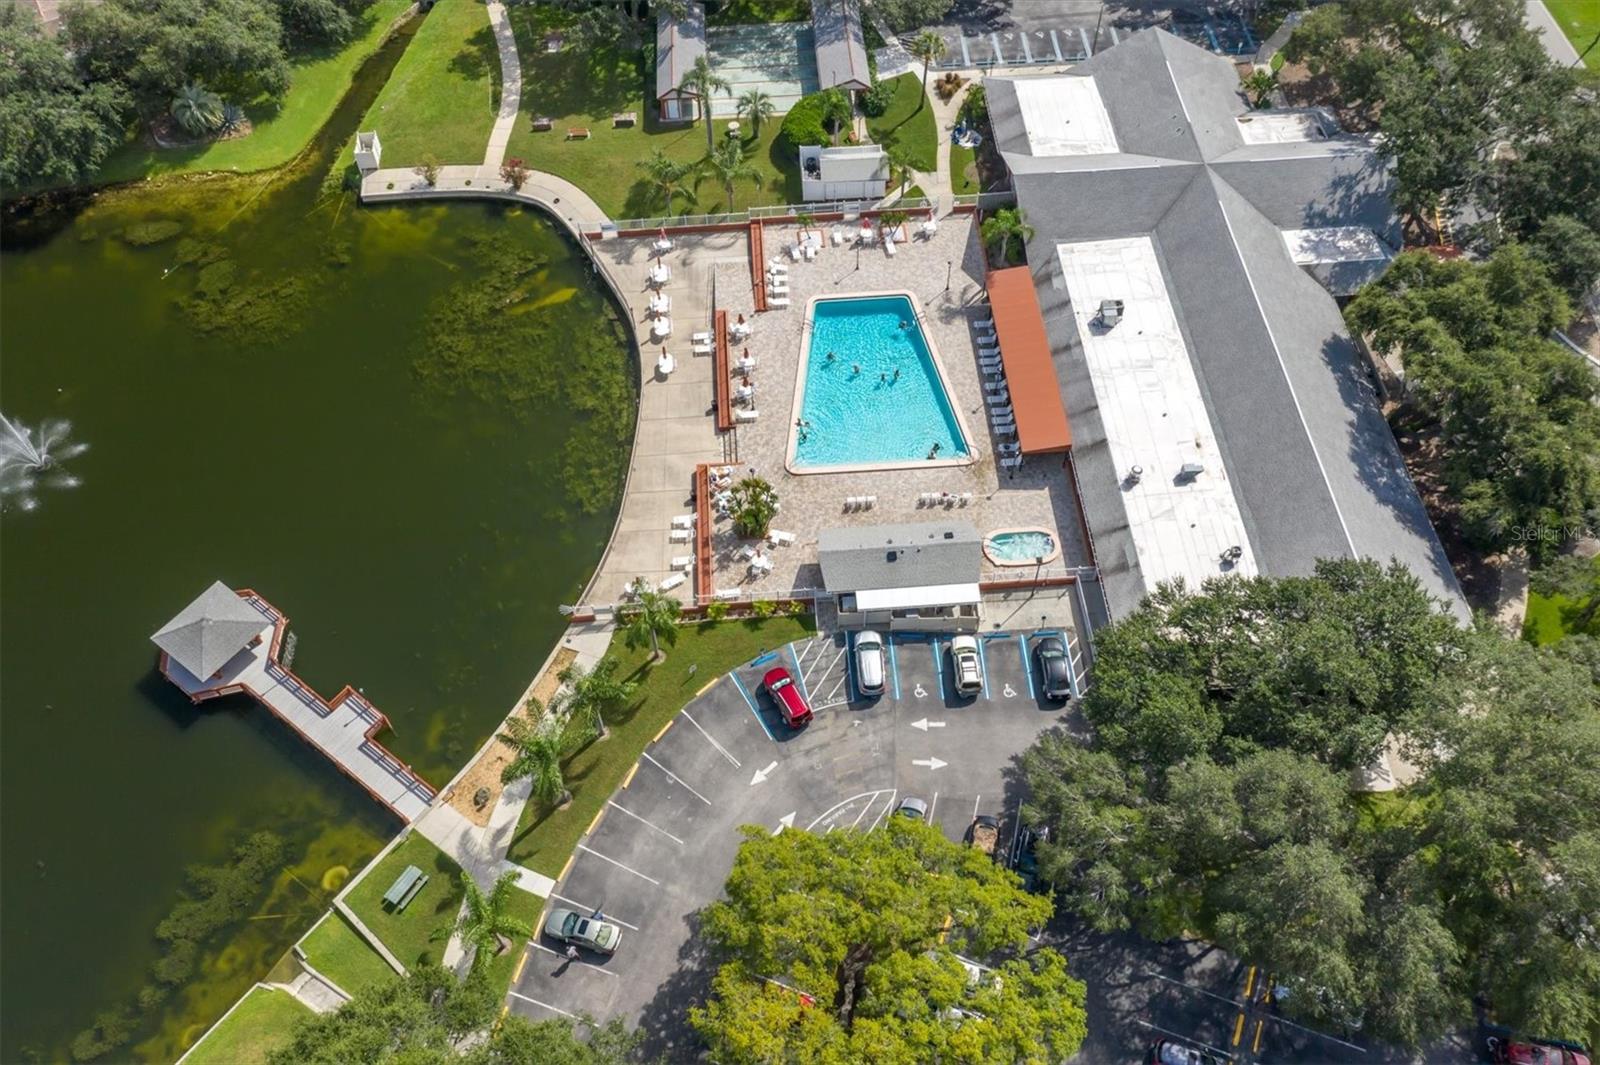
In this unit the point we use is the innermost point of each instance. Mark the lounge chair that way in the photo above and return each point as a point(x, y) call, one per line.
point(837, 236)
point(778, 303)
point(701, 347)
point(702, 337)
point(682, 561)
point(1012, 463)
point(683, 521)
point(987, 323)
point(680, 536)
point(996, 386)
point(780, 539)
point(796, 253)
point(749, 415)
point(888, 245)
point(1000, 399)
point(671, 582)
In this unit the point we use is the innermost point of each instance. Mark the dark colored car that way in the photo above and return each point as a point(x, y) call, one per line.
point(1025, 855)
point(1055, 672)
point(791, 701)
point(914, 808)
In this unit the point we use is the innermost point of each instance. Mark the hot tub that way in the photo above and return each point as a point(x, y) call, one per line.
point(1021, 547)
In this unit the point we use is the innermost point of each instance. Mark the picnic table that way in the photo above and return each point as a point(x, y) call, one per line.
point(625, 118)
point(404, 888)
point(543, 123)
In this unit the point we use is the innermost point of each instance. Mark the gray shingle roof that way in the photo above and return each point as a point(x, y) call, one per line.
point(210, 631)
point(841, 45)
point(1315, 470)
point(679, 42)
point(913, 555)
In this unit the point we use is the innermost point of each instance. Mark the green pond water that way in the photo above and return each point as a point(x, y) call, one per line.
point(406, 427)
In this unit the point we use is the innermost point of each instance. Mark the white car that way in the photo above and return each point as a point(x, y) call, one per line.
point(869, 663)
point(966, 665)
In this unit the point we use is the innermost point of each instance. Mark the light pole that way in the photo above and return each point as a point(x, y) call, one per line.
point(949, 264)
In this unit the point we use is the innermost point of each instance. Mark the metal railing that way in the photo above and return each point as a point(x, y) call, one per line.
point(790, 211)
point(988, 201)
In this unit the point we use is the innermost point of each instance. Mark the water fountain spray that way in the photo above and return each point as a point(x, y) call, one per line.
point(30, 460)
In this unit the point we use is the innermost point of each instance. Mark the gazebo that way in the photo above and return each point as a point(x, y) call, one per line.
point(209, 632)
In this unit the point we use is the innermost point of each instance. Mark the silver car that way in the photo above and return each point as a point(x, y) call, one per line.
point(870, 669)
point(966, 664)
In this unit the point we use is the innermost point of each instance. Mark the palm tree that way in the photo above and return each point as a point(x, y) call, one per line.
point(667, 176)
point(592, 692)
point(485, 916)
point(1259, 85)
point(1004, 226)
point(756, 106)
point(727, 164)
point(700, 81)
point(927, 46)
point(650, 618)
point(197, 109)
point(539, 740)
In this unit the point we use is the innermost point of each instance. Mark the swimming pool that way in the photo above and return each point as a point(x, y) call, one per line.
point(880, 399)
point(1021, 547)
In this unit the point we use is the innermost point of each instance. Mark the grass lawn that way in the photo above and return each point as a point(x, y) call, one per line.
point(338, 952)
point(441, 98)
point(260, 1025)
point(914, 193)
point(526, 907)
point(282, 129)
point(1580, 21)
point(545, 837)
point(408, 934)
point(964, 171)
point(908, 126)
point(1550, 617)
point(733, 12)
point(579, 87)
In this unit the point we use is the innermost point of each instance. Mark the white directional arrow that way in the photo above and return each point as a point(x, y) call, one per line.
point(925, 724)
point(786, 821)
point(931, 763)
point(762, 774)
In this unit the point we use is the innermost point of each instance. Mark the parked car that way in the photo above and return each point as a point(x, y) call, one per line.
point(790, 700)
point(1025, 855)
point(870, 668)
point(1168, 1052)
point(596, 933)
point(1506, 1047)
point(966, 665)
point(984, 834)
point(1055, 672)
point(912, 807)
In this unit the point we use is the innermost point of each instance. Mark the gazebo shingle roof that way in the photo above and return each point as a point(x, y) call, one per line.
point(210, 631)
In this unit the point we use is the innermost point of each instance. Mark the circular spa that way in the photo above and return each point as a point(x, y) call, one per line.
point(870, 392)
point(1021, 547)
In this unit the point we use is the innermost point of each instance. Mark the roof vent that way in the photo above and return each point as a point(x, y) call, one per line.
point(891, 556)
point(1189, 471)
point(948, 535)
point(1110, 313)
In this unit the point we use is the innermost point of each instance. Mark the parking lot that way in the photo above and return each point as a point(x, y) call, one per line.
point(1014, 33)
point(664, 843)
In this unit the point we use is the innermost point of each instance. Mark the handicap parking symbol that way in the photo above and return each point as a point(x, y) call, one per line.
point(1009, 691)
point(920, 692)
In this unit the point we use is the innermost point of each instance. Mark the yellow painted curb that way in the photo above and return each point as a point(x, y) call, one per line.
point(598, 815)
point(629, 778)
point(663, 731)
point(567, 868)
point(516, 973)
point(708, 686)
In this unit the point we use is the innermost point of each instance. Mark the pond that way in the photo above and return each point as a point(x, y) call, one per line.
point(407, 427)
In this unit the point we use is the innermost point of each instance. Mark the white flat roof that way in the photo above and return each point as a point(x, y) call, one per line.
point(1280, 127)
point(1065, 116)
point(1154, 414)
point(1334, 244)
point(924, 595)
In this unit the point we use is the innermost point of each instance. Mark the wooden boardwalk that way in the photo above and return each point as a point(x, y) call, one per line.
point(341, 728)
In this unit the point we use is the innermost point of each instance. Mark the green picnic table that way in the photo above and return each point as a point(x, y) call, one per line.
point(404, 888)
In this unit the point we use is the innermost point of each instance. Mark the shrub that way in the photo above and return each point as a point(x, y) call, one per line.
point(514, 172)
point(812, 118)
point(753, 505)
point(796, 607)
point(875, 101)
point(716, 610)
point(764, 608)
point(428, 169)
point(948, 85)
point(975, 108)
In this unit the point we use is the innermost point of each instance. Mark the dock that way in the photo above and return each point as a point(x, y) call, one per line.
point(234, 641)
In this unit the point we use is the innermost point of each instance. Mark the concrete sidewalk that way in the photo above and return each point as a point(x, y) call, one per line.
point(1556, 45)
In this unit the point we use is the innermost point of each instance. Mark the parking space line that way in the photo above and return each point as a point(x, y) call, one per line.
point(983, 662)
point(542, 1005)
point(720, 748)
point(799, 674)
point(586, 908)
point(894, 667)
point(751, 703)
point(849, 672)
point(586, 965)
point(585, 848)
point(870, 796)
point(975, 803)
point(886, 808)
point(676, 778)
point(933, 806)
point(1016, 830)
point(647, 824)
point(933, 644)
point(1022, 645)
point(1056, 44)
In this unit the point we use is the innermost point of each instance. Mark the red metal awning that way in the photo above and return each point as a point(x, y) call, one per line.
point(1025, 350)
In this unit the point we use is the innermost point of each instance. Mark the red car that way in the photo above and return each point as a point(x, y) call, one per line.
point(787, 694)
point(1542, 1054)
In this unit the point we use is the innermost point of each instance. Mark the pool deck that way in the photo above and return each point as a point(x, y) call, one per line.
point(1037, 495)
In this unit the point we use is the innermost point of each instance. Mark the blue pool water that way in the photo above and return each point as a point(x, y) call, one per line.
point(854, 408)
point(1021, 546)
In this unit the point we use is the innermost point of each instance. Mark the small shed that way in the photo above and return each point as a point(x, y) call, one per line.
point(679, 42)
point(841, 45)
point(369, 152)
point(209, 632)
point(851, 172)
point(920, 575)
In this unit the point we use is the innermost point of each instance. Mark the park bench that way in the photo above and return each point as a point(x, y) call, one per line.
point(404, 888)
point(578, 133)
point(543, 124)
point(625, 118)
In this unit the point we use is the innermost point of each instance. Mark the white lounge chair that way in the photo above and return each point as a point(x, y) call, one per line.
point(780, 539)
point(745, 553)
point(680, 536)
point(837, 236)
point(779, 303)
point(985, 324)
point(809, 250)
point(1012, 463)
point(671, 582)
point(702, 337)
point(930, 227)
point(994, 386)
point(683, 521)
point(1008, 449)
point(966, 497)
point(872, 501)
point(1002, 399)
point(888, 245)
point(795, 253)
point(868, 236)
point(682, 561)
point(701, 349)
point(747, 415)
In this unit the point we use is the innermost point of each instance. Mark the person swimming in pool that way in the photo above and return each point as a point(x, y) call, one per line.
point(830, 356)
point(933, 451)
point(855, 368)
point(897, 373)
